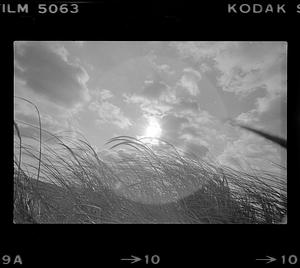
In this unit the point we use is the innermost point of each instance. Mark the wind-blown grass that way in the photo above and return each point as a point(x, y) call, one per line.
point(78, 186)
point(64, 180)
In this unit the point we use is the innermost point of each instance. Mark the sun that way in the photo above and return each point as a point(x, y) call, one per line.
point(153, 130)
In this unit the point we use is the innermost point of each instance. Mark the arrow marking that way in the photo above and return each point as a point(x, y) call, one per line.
point(268, 259)
point(133, 259)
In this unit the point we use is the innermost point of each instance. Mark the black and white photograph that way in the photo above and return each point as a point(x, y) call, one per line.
point(158, 133)
point(150, 132)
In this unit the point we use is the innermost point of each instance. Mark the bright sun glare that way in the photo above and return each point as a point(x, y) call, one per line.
point(153, 130)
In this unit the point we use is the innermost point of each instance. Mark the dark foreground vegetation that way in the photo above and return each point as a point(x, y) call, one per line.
point(71, 183)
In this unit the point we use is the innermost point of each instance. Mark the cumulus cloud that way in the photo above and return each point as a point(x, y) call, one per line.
point(188, 82)
point(166, 69)
point(244, 70)
point(157, 98)
point(110, 114)
point(159, 69)
point(179, 113)
point(243, 66)
point(101, 95)
point(46, 69)
point(149, 107)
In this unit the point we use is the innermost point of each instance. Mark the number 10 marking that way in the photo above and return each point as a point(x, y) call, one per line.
point(154, 259)
point(291, 259)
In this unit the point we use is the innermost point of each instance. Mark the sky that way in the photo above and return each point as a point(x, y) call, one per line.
point(182, 92)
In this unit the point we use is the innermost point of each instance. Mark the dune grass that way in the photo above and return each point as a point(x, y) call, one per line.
point(64, 180)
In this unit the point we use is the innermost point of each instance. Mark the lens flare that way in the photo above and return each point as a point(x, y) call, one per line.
point(153, 130)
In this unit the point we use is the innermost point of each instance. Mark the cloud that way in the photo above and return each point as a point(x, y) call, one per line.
point(245, 72)
point(46, 69)
point(251, 151)
point(270, 113)
point(153, 89)
point(195, 150)
point(178, 113)
point(110, 114)
point(167, 90)
point(242, 66)
point(200, 50)
point(159, 69)
point(27, 120)
point(149, 107)
point(174, 130)
point(188, 82)
point(171, 126)
point(182, 106)
point(158, 99)
point(118, 154)
point(101, 95)
point(193, 73)
point(165, 68)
